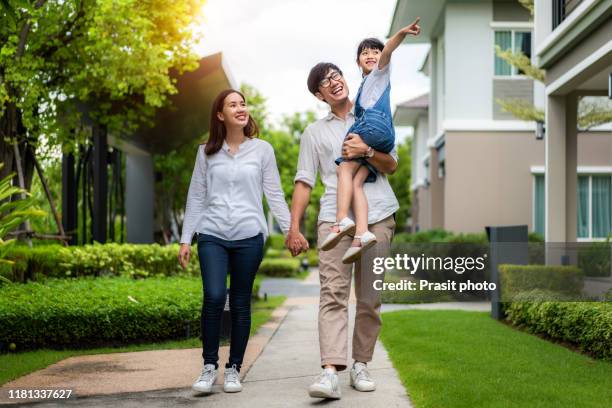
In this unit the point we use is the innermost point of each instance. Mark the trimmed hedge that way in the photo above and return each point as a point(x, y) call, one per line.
point(277, 241)
point(441, 235)
point(90, 312)
point(563, 280)
point(594, 259)
point(311, 255)
point(285, 268)
point(587, 325)
point(135, 260)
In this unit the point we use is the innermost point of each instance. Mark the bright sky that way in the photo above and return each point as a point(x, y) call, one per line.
point(272, 44)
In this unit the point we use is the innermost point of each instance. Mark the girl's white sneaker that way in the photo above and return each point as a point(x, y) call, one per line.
point(346, 226)
point(354, 253)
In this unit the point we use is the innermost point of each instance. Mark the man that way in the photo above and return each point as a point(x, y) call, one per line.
point(321, 143)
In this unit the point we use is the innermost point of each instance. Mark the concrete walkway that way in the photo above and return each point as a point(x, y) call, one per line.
point(286, 360)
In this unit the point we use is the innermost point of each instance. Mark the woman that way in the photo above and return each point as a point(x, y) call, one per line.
point(224, 206)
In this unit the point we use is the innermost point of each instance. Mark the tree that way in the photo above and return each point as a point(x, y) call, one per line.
point(286, 142)
point(400, 182)
point(591, 111)
point(64, 62)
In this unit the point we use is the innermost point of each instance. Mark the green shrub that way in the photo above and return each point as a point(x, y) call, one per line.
point(535, 237)
point(434, 235)
point(90, 312)
point(312, 255)
point(277, 241)
point(135, 260)
point(277, 253)
point(594, 259)
point(588, 325)
point(412, 296)
point(285, 268)
point(563, 280)
point(441, 235)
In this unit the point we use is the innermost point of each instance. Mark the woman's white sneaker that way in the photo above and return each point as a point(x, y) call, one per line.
point(232, 380)
point(346, 226)
point(326, 385)
point(360, 378)
point(354, 253)
point(206, 380)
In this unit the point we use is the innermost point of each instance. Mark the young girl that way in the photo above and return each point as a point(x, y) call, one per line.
point(374, 124)
point(224, 206)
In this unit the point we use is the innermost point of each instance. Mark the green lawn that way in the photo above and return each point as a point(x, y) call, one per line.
point(449, 359)
point(14, 365)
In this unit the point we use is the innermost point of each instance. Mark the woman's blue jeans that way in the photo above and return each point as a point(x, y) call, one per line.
point(241, 259)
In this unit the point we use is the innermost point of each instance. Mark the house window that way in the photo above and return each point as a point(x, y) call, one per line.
point(593, 206)
point(517, 41)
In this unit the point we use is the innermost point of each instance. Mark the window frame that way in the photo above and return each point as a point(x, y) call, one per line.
point(590, 175)
point(514, 70)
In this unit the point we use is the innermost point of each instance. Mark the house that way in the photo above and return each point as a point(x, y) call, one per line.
point(473, 164)
point(128, 195)
point(573, 42)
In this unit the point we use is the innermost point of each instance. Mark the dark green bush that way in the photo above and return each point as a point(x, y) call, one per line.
point(313, 257)
point(92, 312)
point(564, 280)
point(594, 259)
point(277, 241)
point(135, 260)
point(285, 268)
point(272, 253)
point(441, 235)
point(434, 235)
point(588, 325)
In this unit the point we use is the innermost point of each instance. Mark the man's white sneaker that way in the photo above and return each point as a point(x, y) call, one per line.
point(360, 378)
point(207, 379)
point(232, 380)
point(326, 385)
point(354, 253)
point(346, 226)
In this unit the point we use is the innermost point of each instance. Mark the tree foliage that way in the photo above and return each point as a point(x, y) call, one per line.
point(13, 213)
point(66, 61)
point(591, 111)
point(400, 182)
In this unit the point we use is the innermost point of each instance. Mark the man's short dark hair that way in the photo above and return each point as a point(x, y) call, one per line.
point(369, 44)
point(317, 73)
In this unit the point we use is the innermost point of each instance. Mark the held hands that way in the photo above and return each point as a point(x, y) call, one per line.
point(354, 147)
point(413, 28)
point(184, 255)
point(296, 243)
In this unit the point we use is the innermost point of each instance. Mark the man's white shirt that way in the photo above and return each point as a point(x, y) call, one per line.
point(320, 146)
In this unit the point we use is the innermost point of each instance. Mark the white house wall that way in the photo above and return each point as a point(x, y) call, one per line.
point(421, 136)
point(469, 51)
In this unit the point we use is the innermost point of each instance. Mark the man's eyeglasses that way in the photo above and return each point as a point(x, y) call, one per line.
point(325, 82)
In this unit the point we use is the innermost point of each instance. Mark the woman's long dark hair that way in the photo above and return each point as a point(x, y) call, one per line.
point(217, 127)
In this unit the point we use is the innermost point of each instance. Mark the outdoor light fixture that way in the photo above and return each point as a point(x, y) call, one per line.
point(540, 130)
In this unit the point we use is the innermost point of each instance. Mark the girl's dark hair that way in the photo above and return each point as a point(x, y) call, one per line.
point(217, 127)
point(317, 73)
point(369, 44)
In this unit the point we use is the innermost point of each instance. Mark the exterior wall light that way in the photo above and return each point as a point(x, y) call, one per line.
point(540, 130)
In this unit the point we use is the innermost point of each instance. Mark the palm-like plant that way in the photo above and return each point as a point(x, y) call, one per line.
point(13, 212)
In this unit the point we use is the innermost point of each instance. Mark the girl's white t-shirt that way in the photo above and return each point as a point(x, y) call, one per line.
point(375, 84)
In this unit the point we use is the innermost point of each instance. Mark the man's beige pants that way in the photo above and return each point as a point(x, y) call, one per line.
point(335, 280)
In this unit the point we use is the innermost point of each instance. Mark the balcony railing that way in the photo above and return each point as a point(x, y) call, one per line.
point(562, 9)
